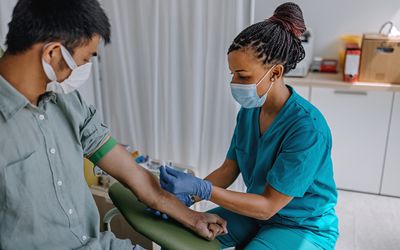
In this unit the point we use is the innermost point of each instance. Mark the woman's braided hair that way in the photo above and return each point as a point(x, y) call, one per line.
point(277, 39)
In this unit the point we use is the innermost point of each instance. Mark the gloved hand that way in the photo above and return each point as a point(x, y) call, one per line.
point(157, 213)
point(185, 199)
point(179, 183)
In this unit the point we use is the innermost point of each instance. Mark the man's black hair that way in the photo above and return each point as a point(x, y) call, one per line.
point(71, 22)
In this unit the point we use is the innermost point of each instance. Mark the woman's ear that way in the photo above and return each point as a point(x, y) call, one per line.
point(277, 72)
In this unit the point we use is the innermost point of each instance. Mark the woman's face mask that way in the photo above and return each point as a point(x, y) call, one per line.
point(78, 76)
point(246, 94)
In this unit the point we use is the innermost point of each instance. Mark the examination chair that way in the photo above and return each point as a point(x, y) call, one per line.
point(166, 233)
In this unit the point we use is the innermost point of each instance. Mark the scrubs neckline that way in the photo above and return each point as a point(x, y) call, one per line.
point(283, 109)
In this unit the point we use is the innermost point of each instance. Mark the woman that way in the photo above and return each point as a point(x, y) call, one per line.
point(281, 146)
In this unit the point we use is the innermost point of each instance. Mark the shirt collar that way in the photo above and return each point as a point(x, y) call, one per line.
point(11, 101)
point(52, 96)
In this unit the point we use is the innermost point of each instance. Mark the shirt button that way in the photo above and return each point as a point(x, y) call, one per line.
point(52, 150)
point(70, 211)
point(41, 117)
point(59, 183)
point(84, 237)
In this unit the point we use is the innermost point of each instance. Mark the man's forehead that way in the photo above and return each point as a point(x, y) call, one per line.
point(89, 48)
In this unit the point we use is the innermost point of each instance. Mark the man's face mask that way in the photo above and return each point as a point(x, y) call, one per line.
point(78, 76)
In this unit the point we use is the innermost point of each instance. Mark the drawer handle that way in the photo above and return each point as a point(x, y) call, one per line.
point(344, 92)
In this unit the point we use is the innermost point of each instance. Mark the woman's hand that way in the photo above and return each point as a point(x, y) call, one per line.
point(179, 183)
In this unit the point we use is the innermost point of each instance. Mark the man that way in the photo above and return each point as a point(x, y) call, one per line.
point(46, 129)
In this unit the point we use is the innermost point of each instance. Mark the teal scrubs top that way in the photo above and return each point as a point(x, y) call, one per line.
point(294, 157)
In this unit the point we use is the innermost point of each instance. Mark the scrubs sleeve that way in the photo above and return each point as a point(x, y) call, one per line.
point(231, 155)
point(298, 163)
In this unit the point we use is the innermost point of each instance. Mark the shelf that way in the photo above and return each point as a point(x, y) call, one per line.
point(335, 81)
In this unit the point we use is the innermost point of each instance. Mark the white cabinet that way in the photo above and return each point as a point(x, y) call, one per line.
point(391, 174)
point(359, 122)
point(303, 91)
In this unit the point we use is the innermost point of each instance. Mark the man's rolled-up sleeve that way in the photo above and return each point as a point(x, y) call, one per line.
point(93, 132)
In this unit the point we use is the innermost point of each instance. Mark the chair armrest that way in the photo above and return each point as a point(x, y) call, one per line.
point(169, 234)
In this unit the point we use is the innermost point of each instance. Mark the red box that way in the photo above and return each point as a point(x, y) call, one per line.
point(329, 66)
point(351, 63)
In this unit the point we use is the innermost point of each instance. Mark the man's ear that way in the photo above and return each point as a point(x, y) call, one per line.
point(50, 51)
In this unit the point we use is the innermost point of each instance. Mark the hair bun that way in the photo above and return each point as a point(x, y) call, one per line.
point(290, 17)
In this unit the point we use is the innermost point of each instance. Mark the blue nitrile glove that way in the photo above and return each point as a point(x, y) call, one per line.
point(185, 199)
point(157, 213)
point(177, 182)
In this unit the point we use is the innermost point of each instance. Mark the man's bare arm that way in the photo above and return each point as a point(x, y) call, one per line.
point(121, 165)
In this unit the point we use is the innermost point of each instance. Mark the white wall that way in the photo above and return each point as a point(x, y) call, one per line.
point(331, 18)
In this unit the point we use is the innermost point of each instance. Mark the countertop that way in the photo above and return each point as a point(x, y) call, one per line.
point(335, 81)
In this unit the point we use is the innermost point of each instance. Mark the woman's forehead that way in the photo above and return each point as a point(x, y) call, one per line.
point(244, 60)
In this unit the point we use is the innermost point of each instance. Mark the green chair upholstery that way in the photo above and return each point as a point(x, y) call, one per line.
point(167, 233)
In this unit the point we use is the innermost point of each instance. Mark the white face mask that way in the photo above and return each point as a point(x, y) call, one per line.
point(77, 78)
point(246, 94)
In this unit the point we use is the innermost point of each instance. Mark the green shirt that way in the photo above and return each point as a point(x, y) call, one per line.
point(45, 202)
